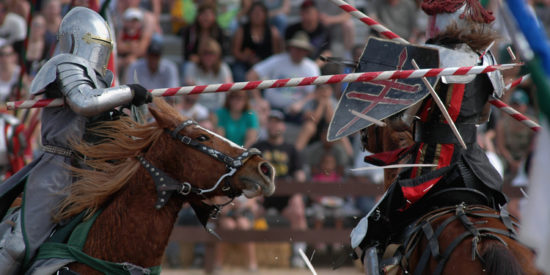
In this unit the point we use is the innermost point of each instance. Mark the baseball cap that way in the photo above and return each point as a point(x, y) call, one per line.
point(133, 13)
point(155, 47)
point(276, 114)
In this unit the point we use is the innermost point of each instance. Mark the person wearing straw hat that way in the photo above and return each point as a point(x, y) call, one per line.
point(293, 63)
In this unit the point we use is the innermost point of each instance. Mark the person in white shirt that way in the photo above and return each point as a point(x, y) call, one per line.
point(154, 71)
point(293, 63)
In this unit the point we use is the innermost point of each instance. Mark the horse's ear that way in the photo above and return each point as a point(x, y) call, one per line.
point(163, 120)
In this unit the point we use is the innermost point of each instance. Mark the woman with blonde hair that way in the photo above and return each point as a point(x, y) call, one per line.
point(210, 69)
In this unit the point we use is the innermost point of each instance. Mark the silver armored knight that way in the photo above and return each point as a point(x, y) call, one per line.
point(79, 74)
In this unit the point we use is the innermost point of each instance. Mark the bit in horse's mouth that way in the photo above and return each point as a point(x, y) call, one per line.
point(254, 188)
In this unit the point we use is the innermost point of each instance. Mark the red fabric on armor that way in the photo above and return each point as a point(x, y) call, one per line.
point(413, 193)
point(386, 158)
point(457, 94)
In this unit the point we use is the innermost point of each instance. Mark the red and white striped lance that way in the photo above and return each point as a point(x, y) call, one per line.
point(290, 82)
point(515, 114)
point(518, 81)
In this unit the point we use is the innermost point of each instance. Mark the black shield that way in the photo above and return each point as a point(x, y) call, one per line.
point(383, 98)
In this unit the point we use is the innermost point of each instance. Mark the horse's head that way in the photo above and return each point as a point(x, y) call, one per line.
point(206, 163)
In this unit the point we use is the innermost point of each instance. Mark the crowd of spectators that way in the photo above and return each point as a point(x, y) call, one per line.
point(243, 40)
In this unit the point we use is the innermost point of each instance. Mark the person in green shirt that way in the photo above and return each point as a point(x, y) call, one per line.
point(237, 121)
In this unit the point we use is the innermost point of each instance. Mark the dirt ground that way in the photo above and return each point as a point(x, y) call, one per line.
point(262, 271)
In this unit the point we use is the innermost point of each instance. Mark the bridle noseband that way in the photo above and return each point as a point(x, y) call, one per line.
point(166, 185)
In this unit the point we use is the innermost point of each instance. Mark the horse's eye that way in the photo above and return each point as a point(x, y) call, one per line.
point(202, 138)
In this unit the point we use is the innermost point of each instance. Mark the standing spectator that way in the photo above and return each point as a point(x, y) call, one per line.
point(278, 13)
point(254, 41)
point(9, 71)
point(133, 39)
point(13, 27)
point(52, 14)
point(237, 121)
point(293, 63)
point(317, 116)
point(397, 15)
point(513, 138)
point(288, 166)
point(209, 69)
point(205, 26)
point(36, 49)
point(153, 70)
point(311, 24)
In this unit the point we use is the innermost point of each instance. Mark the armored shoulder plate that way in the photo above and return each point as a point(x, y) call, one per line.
point(496, 76)
point(49, 72)
point(460, 56)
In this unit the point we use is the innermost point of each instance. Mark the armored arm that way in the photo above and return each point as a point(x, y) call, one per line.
point(85, 94)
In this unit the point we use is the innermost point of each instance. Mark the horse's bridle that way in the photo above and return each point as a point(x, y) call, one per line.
point(166, 185)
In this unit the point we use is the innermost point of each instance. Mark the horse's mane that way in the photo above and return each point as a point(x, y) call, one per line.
point(110, 164)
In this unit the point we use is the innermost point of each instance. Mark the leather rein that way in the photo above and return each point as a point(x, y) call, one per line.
point(166, 185)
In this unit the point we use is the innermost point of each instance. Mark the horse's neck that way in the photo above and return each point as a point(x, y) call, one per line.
point(130, 228)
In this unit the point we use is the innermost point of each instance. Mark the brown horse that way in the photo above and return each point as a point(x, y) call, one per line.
point(134, 172)
point(463, 239)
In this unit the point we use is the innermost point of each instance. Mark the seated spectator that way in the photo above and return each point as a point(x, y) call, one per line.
point(327, 206)
point(209, 69)
point(278, 13)
point(153, 70)
point(317, 115)
point(13, 27)
point(133, 39)
point(21, 8)
point(205, 26)
point(310, 23)
point(254, 41)
point(9, 71)
point(236, 120)
point(513, 138)
point(288, 166)
point(37, 50)
point(189, 107)
point(52, 13)
point(340, 149)
point(294, 63)
point(238, 215)
point(230, 13)
point(182, 14)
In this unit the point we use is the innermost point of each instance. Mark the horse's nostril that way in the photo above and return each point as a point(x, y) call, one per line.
point(265, 168)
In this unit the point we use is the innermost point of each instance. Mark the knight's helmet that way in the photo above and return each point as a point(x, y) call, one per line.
point(84, 33)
